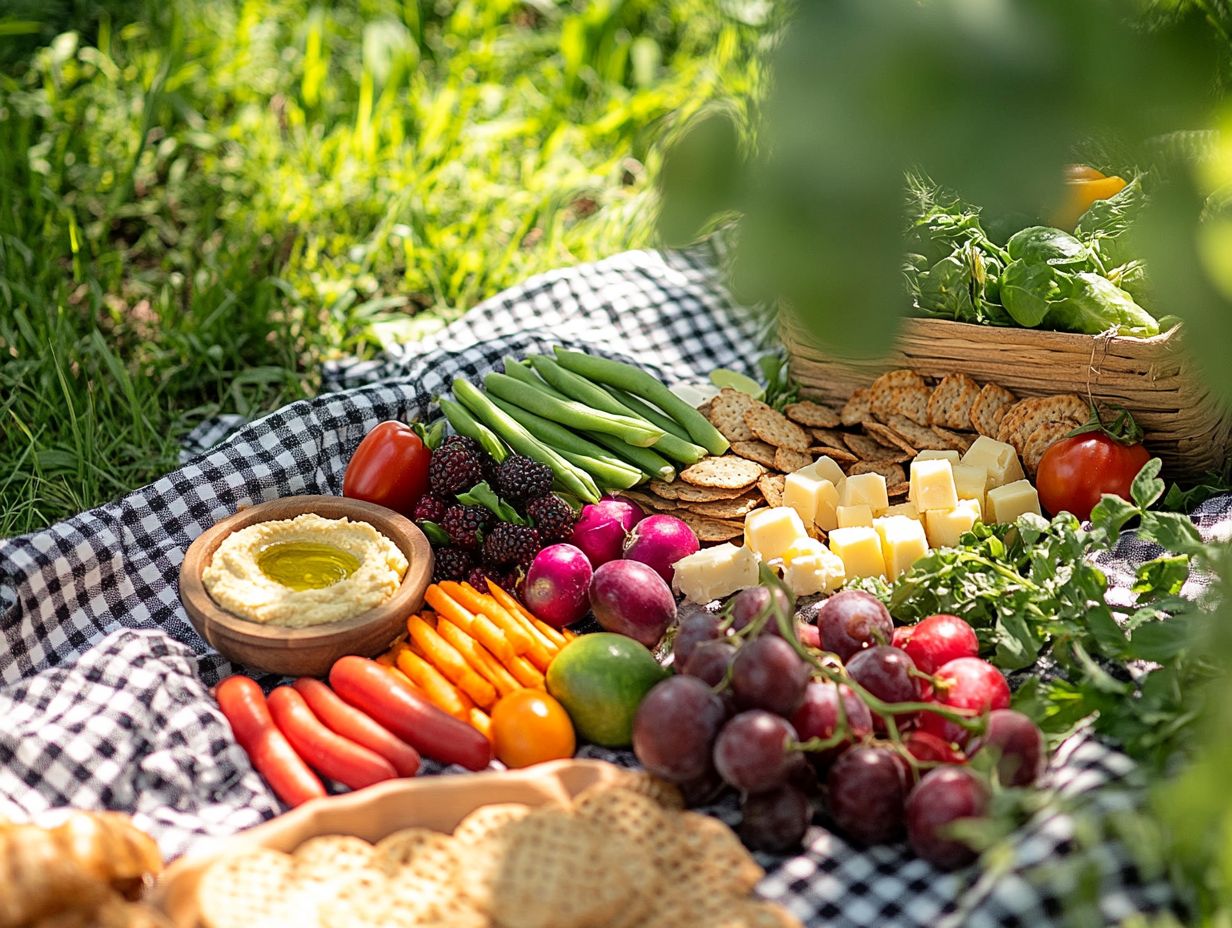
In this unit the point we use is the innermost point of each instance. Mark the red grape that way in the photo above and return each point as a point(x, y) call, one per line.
point(775, 821)
point(937, 640)
point(751, 752)
point(852, 620)
point(944, 796)
point(748, 604)
point(817, 717)
point(866, 790)
point(768, 674)
point(709, 661)
point(885, 672)
point(1017, 744)
point(705, 789)
point(965, 683)
point(928, 748)
point(694, 627)
point(675, 727)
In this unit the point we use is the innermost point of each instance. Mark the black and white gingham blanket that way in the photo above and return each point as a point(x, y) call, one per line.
point(103, 683)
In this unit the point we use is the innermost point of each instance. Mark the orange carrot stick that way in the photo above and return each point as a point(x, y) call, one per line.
point(449, 662)
point(526, 673)
point(476, 602)
point(553, 635)
point(438, 691)
point(478, 626)
point(478, 657)
point(481, 722)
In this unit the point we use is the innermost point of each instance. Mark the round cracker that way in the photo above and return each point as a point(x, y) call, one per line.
point(814, 415)
point(256, 888)
point(727, 414)
point(487, 820)
point(776, 429)
point(678, 491)
point(755, 450)
point(1044, 437)
point(856, 409)
point(727, 472)
point(789, 461)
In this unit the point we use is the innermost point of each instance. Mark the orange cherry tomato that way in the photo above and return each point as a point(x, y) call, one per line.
point(530, 727)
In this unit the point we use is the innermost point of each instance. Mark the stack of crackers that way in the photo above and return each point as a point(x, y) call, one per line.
point(619, 855)
point(879, 430)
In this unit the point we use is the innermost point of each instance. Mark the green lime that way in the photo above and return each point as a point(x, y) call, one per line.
point(600, 679)
point(722, 377)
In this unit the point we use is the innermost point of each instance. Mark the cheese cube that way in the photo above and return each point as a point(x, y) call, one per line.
point(1007, 503)
point(859, 549)
point(945, 526)
point(813, 497)
point(934, 455)
point(771, 532)
point(865, 490)
point(902, 542)
point(932, 485)
point(903, 509)
point(810, 567)
point(826, 468)
point(854, 515)
point(996, 457)
point(971, 482)
point(713, 573)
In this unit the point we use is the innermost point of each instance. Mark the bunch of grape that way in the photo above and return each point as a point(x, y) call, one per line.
point(898, 731)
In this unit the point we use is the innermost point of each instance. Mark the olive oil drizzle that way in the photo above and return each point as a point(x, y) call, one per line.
point(306, 565)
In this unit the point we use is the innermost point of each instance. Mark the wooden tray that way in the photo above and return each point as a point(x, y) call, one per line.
point(436, 802)
point(1184, 423)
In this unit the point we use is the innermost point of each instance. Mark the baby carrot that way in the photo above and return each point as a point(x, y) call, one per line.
point(476, 602)
point(438, 691)
point(553, 635)
point(449, 662)
point(487, 666)
point(526, 673)
point(480, 627)
point(481, 722)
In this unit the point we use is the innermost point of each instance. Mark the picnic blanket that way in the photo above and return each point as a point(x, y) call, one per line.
point(104, 684)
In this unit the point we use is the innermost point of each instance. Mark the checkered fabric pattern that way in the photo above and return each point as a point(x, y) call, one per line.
point(103, 683)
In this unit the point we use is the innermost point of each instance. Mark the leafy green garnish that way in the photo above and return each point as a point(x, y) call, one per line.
point(483, 495)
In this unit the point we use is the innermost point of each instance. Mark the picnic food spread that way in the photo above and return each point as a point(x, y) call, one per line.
point(305, 571)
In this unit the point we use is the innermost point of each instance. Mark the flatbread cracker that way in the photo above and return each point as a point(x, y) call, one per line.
point(736, 508)
point(912, 402)
point(989, 407)
point(1040, 441)
point(921, 436)
point(771, 486)
point(869, 449)
point(727, 472)
point(775, 428)
point(650, 501)
point(707, 529)
point(831, 437)
point(755, 450)
point(812, 414)
point(951, 401)
point(677, 491)
point(955, 440)
point(1025, 416)
point(886, 390)
point(840, 456)
point(789, 461)
point(893, 472)
point(897, 490)
point(888, 436)
point(727, 414)
point(856, 409)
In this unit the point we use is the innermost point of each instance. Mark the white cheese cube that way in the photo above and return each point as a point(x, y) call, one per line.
point(996, 457)
point(849, 516)
point(948, 454)
point(902, 541)
point(945, 526)
point(903, 509)
point(932, 485)
point(813, 497)
point(770, 532)
point(865, 490)
point(1007, 503)
point(860, 551)
point(713, 573)
point(826, 468)
point(971, 482)
point(810, 567)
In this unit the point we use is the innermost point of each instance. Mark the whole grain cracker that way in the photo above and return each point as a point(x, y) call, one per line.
point(856, 409)
point(812, 414)
point(775, 428)
point(899, 489)
point(888, 436)
point(636, 816)
point(831, 437)
point(912, 402)
point(728, 472)
point(771, 486)
point(736, 508)
point(840, 456)
point(256, 887)
point(485, 821)
point(709, 851)
point(650, 501)
point(869, 449)
point(327, 856)
point(884, 393)
point(1025, 416)
point(958, 441)
point(789, 461)
point(951, 401)
point(409, 847)
point(727, 414)
point(680, 492)
point(666, 794)
point(893, 472)
point(707, 529)
point(921, 436)
point(989, 407)
point(1040, 441)
point(755, 450)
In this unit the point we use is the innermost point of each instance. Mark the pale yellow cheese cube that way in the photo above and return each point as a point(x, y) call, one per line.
point(997, 458)
point(826, 468)
point(932, 485)
point(770, 532)
point(1007, 503)
point(849, 516)
point(859, 549)
point(865, 490)
point(813, 497)
point(903, 541)
point(810, 567)
point(945, 526)
point(971, 482)
point(903, 509)
point(713, 573)
point(932, 454)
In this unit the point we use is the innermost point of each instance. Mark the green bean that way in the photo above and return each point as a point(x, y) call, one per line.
point(570, 413)
point(654, 466)
point(571, 479)
point(640, 383)
point(641, 408)
point(465, 424)
point(575, 387)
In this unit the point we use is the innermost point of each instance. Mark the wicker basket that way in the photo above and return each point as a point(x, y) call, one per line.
point(1185, 424)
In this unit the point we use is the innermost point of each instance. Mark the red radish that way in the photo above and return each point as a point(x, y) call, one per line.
point(937, 640)
point(629, 598)
point(603, 527)
point(661, 541)
point(966, 683)
point(557, 584)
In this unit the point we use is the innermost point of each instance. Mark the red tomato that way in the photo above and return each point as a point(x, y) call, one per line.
point(1076, 471)
point(389, 468)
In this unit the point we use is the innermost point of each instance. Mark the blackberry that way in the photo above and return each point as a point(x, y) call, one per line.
point(451, 564)
point(460, 441)
point(454, 469)
point(464, 524)
point(510, 544)
point(429, 508)
point(553, 517)
point(519, 478)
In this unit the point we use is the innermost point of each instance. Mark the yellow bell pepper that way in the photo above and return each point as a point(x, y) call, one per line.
point(1082, 188)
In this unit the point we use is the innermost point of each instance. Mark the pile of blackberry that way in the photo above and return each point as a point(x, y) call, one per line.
point(480, 546)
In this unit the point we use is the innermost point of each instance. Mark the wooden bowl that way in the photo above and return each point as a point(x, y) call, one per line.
point(300, 652)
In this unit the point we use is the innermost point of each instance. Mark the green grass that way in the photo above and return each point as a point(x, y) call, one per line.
point(200, 203)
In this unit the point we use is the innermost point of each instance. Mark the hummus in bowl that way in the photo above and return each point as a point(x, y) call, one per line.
point(304, 571)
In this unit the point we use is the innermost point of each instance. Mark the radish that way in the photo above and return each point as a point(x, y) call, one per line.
point(557, 584)
point(603, 527)
point(630, 598)
point(661, 541)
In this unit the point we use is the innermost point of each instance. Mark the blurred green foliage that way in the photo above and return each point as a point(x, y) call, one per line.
point(201, 199)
